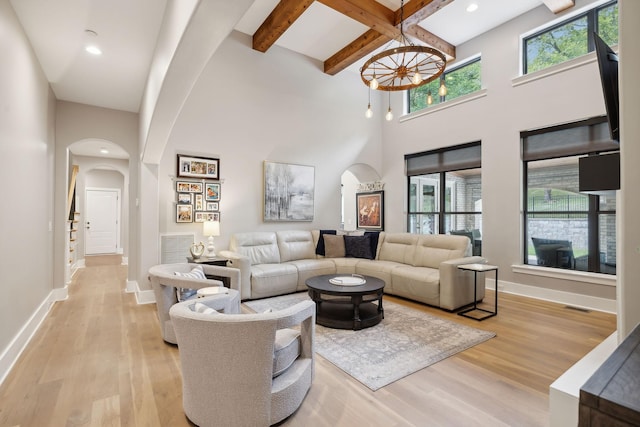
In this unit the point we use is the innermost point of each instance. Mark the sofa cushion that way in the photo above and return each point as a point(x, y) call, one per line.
point(433, 249)
point(286, 350)
point(273, 279)
point(259, 247)
point(380, 269)
point(374, 237)
point(333, 246)
point(398, 247)
point(320, 247)
point(417, 283)
point(295, 244)
point(358, 247)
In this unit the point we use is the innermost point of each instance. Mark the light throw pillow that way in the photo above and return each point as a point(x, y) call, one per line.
point(186, 293)
point(320, 249)
point(203, 308)
point(358, 246)
point(334, 246)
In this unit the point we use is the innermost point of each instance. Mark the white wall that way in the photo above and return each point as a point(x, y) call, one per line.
point(508, 107)
point(249, 107)
point(27, 111)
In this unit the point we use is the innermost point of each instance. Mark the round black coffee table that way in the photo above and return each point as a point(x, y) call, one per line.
point(347, 306)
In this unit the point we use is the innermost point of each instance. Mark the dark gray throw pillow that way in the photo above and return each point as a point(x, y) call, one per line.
point(358, 247)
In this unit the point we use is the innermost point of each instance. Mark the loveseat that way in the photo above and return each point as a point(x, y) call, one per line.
point(419, 267)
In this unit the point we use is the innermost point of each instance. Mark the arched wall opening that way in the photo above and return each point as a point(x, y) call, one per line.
point(352, 178)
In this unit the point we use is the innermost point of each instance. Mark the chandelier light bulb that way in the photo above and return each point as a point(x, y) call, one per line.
point(374, 83)
point(429, 98)
point(369, 112)
point(417, 78)
point(389, 115)
point(443, 90)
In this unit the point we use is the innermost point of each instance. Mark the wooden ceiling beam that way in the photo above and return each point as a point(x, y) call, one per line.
point(431, 39)
point(357, 49)
point(280, 19)
point(374, 15)
point(414, 12)
point(557, 6)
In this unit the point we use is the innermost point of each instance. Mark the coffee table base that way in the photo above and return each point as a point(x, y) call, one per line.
point(343, 316)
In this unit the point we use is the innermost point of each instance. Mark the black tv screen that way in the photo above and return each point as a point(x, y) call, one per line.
point(608, 64)
point(599, 174)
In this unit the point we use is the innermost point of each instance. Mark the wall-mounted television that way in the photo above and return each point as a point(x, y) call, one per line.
point(608, 64)
point(599, 174)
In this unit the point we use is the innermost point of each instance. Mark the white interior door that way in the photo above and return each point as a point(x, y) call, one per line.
point(101, 224)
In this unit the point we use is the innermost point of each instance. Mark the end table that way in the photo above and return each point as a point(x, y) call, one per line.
point(480, 268)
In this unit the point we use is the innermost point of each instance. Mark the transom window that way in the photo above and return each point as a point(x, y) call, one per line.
point(458, 81)
point(571, 38)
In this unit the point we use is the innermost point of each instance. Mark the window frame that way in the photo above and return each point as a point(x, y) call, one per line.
point(442, 78)
point(594, 211)
point(592, 25)
point(440, 212)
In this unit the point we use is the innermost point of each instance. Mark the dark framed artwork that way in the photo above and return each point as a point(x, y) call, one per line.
point(184, 213)
point(370, 207)
point(212, 192)
point(198, 167)
point(188, 187)
point(288, 192)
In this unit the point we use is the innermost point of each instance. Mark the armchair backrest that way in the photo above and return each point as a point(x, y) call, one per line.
point(227, 364)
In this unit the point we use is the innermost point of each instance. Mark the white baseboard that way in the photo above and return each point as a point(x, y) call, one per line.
point(561, 297)
point(142, 296)
point(15, 348)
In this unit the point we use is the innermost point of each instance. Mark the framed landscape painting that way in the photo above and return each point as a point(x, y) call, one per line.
point(370, 208)
point(288, 192)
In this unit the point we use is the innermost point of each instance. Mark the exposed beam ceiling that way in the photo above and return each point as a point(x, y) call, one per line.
point(384, 25)
point(557, 6)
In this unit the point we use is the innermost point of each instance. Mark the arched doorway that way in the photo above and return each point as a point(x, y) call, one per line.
point(351, 179)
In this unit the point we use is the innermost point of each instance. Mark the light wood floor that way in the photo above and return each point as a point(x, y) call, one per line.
point(98, 360)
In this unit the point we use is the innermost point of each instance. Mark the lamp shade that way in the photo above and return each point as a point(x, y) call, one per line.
point(211, 228)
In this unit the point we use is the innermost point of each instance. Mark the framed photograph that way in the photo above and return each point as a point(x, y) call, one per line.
point(370, 208)
point(288, 192)
point(212, 192)
point(198, 205)
point(213, 206)
point(184, 198)
point(184, 213)
point(188, 187)
point(207, 216)
point(198, 167)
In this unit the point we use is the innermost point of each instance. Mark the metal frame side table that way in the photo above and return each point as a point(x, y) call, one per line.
point(480, 268)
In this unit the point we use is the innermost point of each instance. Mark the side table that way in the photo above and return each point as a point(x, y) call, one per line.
point(217, 260)
point(480, 268)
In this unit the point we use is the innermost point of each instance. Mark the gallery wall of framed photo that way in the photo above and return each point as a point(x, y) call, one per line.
point(198, 189)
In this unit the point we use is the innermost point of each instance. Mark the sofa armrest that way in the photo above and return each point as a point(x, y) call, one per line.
point(456, 286)
point(242, 263)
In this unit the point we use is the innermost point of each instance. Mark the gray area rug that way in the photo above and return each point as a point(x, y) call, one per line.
point(406, 341)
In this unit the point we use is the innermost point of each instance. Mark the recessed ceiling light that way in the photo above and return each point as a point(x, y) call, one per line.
point(472, 7)
point(93, 49)
point(90, 37)
point(104, 151)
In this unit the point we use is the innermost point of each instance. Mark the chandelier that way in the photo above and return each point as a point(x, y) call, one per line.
point(402, 67)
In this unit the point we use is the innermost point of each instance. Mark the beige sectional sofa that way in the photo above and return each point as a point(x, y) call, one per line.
point(419, 267)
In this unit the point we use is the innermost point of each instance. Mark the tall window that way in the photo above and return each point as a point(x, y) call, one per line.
point(459, 81)
point(570, 39)
point(564, 228)
point(445, 194)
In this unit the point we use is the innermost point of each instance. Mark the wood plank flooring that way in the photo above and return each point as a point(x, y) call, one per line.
point(99, 360)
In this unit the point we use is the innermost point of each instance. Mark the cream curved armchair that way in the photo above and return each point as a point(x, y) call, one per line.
point(165, 283)
point(243, 369)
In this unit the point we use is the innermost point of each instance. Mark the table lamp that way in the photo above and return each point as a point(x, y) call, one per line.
point(211, 228)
